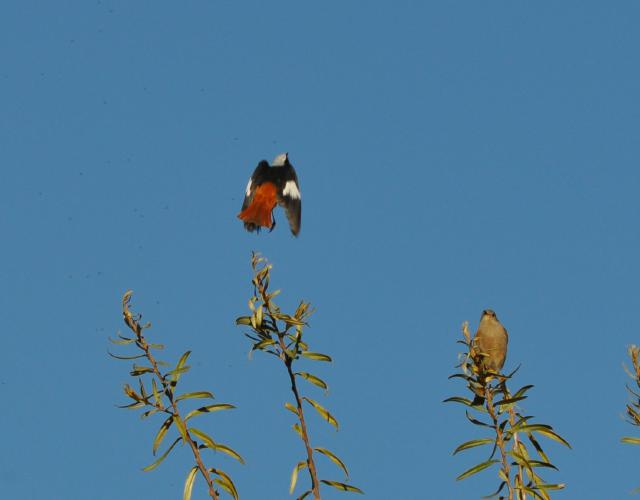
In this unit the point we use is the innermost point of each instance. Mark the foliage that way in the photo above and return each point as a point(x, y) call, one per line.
point(633, 408)
point(157, 394)
point(517, 468)
point(281, 335)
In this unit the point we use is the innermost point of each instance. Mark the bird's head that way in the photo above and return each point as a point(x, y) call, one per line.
point(489, 313)
point(281, 160)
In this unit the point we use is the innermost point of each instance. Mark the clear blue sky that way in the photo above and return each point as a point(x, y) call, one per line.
point(452, 157)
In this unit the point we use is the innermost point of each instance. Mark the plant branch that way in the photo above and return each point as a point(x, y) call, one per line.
point(135, 326)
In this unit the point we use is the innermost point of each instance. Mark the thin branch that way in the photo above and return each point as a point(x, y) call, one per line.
point(142, 343)
point(288, 362)
point(488, 394)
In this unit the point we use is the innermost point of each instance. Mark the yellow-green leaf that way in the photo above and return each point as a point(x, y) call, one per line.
point(545, 430)
point(313, 379)
point(630, 440)
point(458, 399)
point(263, 343)
point(226, 482)
point(208, 409)
point(181, 427)
point(334, 459)
point(323, 412)
point(258, 314)
point(162, 457)
point(291, 408)
point(122, 341)
point(161, 433)
point(316, 356)
point(342, 486)
point(294, 476)
point(140, 370)
point(298, 429)
point(180, 367)
point(229, 451)
point(206, 439)
point(475, 469)
point(243, 320)
point(188, 484)
point(473, 444)
point(195, 395)
point(137, 356)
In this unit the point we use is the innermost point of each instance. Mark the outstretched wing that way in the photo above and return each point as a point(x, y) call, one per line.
point(257, 178)
point(290, 198)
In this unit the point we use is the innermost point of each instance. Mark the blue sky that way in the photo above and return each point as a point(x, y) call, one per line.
point(452, 156)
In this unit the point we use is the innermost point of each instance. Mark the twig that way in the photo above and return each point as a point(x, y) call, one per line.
point(142, 343)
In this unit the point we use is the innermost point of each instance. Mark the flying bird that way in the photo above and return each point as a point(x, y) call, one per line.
point(268, 186)
point(490, 344)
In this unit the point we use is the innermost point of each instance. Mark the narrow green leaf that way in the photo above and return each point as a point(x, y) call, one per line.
point(176, 372)
point(226, 482)
point(243, 320)
point(342, 486)
point(211, 444)
point(229, 451)
point(313, 379)
point(298, 429)
point(294, 476)
point(156, 346)
point(473, 444)
point(477, 422)
point(259, 314)
point(334, 459)
point(458, 399)
point(497, 492)
point(140, 370)
point(305, 495)
point(161, 433)
point(149, 413)
point(129, 391)
point(188, 484)
point(630, 440)
point(545, 430)
point(522, 390)
point(316, 356)
point(208, 409)
point(195, 395)
point(509, 401)
point(162, 457)
point(206, 439)
point(156, 394)
point(133, 406)
point(122, 341)
point(291, 408)
point(137, 356)
point(559, 486)
point(322, 411)
point(179, 369)
point(538, 448)
point(181, 427)
point(262, 344)
point(475, 469)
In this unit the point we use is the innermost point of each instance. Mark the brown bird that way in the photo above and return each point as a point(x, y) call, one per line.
point(490, 344)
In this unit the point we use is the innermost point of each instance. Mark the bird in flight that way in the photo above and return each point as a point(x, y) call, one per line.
point(268, 186)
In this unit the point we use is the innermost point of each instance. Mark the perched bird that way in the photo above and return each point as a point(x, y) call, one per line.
point(268, 186)
point(490, 345)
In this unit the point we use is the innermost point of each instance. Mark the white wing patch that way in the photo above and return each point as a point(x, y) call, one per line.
point(291, 190)
point(248, 191)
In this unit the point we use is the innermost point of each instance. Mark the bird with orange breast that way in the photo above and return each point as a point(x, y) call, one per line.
point(271, 185)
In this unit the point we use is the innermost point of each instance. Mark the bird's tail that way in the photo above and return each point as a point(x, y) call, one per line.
point(258, 213)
